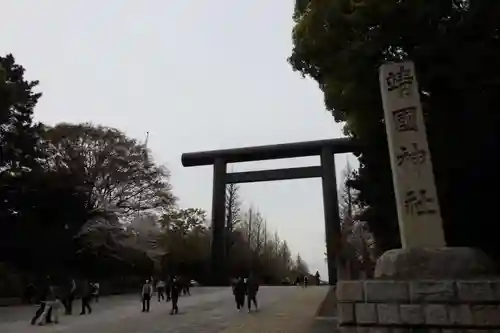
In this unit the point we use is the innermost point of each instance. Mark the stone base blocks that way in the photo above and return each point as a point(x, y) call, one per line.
point(401, 306)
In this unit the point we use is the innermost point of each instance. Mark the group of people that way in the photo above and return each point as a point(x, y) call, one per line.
point(169, 290)
point(248, 288)
point(54, 297)
point(304, 280)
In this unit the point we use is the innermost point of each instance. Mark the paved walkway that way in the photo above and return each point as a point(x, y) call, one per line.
point(209, 310)
point(295, 313)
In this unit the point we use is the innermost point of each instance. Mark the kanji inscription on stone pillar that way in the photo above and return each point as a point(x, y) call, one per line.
point(419, 215)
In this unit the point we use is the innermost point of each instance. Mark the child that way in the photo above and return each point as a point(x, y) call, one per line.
point(56, 305)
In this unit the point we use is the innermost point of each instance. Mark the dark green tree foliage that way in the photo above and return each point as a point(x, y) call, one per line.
point(455, 46)
point(18, 135)
point(35, 230)
point(49, 214)
point(49, 188)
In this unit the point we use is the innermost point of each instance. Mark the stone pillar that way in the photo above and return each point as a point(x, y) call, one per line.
point(424, 253)
point(331, 211)
point(419, 215)
point(425, 286)
point(218, 249)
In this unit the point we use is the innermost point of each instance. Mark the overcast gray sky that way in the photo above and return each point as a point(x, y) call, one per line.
point(196, 74)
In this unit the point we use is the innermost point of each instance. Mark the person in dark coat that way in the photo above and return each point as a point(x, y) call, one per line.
point(252, 289)
point(147, 292)
point(44, 292)
point(86, 295)
point(185, 286)
point(168, 288)
point(175, 290)
point(239, 291)
point(69, 296)
point(30, 293)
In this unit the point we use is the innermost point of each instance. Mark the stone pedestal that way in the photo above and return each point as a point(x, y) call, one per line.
point(434, 263)
point(444, 290)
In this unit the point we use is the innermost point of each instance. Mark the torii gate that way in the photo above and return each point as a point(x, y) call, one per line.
point(219, 159)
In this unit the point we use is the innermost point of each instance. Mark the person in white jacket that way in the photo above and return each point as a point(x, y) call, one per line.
point(160, 290)
point(56, 306)
point(96, 288)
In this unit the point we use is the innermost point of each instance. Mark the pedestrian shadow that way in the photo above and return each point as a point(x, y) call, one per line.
point(252, 313)
point(180, 313)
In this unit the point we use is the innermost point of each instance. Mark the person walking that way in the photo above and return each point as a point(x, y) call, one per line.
point(306, 281)
point(86, 297)
point(175, 290)
point(147, 291)
point(252, 289)
point(51, 308)
point(239, 291)
point(185, 286)
point(160, 290)
point(168, 288)
point(96, 289)
point(43, 312)
point(29, 293)
point(56, 306)
point(70, 296)
point(39, 311)
point(317, 278)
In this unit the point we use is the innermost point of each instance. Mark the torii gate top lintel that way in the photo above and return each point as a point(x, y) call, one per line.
point(270, 152)
point(325, 149)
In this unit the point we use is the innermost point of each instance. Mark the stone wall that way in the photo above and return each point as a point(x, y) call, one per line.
point(419, 306)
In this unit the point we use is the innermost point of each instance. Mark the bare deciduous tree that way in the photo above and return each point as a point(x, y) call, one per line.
point(358, 245)
point(233, 215)
point(233, 207)
point(112, 168)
